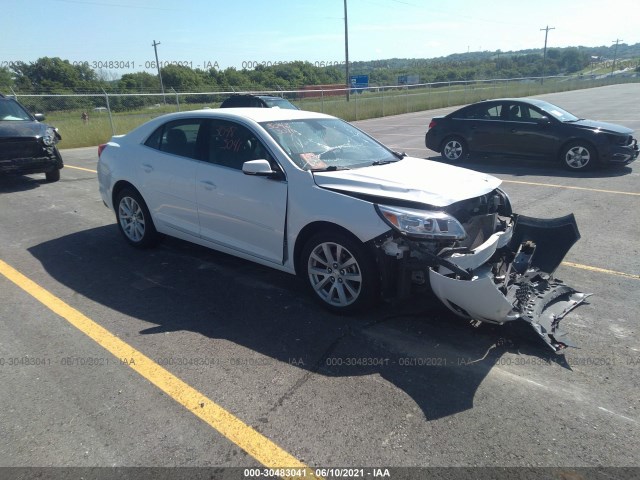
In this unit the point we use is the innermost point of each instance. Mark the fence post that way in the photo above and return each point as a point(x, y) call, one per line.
point(322, 97)
point(356, 102)
point(177, 99)
point(406, 110)
point(383, 101)
point(113, 130)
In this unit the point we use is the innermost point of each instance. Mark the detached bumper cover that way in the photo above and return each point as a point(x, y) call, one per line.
point(511, 278)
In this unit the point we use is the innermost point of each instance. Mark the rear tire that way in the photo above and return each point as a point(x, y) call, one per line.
point(134, 219)
point(454, 149)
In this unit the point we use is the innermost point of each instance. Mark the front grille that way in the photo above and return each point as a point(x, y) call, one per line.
point(23, 148)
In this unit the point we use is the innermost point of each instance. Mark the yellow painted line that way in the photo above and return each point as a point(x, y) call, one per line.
point(80, 168)
point(254, 443)
point(601, 270)
point(572, 188)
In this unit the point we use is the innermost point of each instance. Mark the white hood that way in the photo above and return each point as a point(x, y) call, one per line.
point(411, 179)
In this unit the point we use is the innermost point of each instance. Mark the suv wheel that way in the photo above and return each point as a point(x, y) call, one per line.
point(53, 175)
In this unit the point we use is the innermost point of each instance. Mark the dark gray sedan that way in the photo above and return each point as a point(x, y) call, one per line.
point(531, 128)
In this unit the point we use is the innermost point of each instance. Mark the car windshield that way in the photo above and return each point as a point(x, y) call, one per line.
point(327, 144)
point(279, 102)
point(558, 113)
point(11, 111)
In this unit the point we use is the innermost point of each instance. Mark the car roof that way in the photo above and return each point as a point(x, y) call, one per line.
point(252, 113)
point(238, 114)
point(533, 101)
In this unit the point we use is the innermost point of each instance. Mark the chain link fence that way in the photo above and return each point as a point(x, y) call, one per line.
point(87, 119)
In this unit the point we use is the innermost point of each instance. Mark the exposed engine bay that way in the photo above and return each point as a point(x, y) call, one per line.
point(501, 271)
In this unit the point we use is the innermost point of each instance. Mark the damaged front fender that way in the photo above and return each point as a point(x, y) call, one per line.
point(510, 278)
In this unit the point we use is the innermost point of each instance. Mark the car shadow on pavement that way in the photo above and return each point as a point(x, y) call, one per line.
point(18, 183)
point(436, 358)
point(525, 167)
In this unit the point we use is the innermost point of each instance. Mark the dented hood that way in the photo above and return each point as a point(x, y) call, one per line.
point(411, 179)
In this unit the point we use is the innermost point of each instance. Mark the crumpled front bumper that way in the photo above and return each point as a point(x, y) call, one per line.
point(623, 155)
point(510, 278)
point(47, 160)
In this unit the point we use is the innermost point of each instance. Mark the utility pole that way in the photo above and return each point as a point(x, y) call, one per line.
point(346, 48)
point(155, 48)
point(615, 55)
point(544, 56)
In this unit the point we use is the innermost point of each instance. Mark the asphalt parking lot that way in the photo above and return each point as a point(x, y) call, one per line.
point(184, 357)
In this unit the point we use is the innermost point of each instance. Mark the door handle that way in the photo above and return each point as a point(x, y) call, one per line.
point(147, 168)
point(208, 185)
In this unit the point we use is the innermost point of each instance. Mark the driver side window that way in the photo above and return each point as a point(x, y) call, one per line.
point(231, 144)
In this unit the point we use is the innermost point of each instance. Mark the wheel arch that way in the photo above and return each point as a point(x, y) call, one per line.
point(457, 136)
point(310, 230)
point(118, 187)
point(569, 141)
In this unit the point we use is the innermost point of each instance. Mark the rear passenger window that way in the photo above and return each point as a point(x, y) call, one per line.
point(181, 137)
point(494, 112)
point(481, 112)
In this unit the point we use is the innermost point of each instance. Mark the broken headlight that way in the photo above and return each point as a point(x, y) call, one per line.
point(49, 138)
point(422, 223)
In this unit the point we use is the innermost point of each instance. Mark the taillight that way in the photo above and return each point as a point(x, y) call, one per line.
point(101, 148)
point(432, 123)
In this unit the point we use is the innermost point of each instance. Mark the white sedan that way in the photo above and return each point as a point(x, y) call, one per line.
point(310, 194)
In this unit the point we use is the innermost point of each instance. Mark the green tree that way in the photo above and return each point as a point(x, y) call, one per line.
point(139, 82)
point(54, 74)
point(6, 79)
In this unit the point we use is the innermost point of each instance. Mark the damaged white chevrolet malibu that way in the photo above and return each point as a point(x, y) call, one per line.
point(312, 195)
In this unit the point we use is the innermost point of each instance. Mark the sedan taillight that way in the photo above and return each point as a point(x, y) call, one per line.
point(432, 123)
point(101, 148)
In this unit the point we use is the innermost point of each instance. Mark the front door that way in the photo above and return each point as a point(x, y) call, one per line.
point(243, 212)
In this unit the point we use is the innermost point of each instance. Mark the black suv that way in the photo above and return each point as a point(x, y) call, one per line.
point(257, 101)
point(26, 145)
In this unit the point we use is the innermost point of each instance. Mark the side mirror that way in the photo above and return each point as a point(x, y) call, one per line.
point(544, 120)
point(261, 168)
point(39, 117)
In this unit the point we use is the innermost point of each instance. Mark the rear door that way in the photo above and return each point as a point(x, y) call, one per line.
point(168, 164)
point(482, 126)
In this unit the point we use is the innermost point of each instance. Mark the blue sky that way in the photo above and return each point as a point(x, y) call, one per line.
point(235, 33)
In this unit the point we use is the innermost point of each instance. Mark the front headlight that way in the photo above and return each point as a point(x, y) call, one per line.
point(49, 138)
point(422, 223)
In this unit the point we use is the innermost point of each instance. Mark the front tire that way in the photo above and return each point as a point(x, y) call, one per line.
point(578, 156)
point(134, 219)
point(339, 271)
point(53, 175)
point(454, 149)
